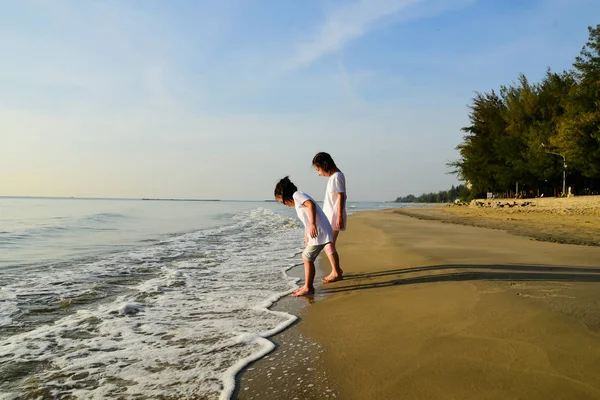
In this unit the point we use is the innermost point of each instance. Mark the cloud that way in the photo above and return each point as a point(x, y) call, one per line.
point(343, 25)
point(141, 115)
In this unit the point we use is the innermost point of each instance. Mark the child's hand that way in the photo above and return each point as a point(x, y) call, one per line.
point(312, 231)
point(339, 223)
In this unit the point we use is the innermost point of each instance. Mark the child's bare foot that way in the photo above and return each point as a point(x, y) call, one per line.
point(303, 291)
point(332, 277)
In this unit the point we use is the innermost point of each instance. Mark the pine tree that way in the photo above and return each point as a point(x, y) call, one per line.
point(579, 130)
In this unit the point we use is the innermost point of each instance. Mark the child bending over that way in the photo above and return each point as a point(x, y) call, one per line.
point(317, 230)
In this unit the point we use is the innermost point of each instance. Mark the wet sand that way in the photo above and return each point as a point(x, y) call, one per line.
point(295, 370)
point(433, 310)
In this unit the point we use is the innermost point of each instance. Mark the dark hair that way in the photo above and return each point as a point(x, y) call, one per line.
point(286, 189)
point(325, 162)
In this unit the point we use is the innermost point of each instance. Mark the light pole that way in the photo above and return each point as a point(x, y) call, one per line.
point(564, 167)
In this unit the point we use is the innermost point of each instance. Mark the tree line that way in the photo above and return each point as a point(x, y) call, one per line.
point(461, 192)
point(521, 137)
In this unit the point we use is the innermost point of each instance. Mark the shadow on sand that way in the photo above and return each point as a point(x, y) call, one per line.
point(457, 272)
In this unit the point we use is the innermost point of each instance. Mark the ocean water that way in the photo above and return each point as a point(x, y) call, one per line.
point(105, 298)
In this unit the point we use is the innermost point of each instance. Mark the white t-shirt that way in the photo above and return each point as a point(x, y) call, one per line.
point(325, 234)
point(335, 185)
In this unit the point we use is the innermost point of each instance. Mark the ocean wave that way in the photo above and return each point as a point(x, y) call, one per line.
point(179, 317)
point(8, 306)
point(59, 226)
point(103, 217)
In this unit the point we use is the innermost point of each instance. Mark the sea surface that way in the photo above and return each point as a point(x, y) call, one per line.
point(105, 298)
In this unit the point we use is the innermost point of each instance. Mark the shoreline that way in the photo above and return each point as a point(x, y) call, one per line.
point(294, 368)
point(459, 312)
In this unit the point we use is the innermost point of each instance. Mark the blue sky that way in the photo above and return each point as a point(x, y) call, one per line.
point(220, 99)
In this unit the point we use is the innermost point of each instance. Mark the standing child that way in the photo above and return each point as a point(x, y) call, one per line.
point(334, 207)
point(317, 230)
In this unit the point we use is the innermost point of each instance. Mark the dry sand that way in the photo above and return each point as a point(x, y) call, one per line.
point(432, 310)
point(574, 220)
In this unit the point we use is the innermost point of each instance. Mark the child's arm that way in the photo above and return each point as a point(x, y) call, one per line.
point(312, 216)
point(341, 205)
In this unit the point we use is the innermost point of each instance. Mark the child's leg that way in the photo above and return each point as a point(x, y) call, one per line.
point(309, 277)
point(335, 237)
point(334, 259)
point(336, 272)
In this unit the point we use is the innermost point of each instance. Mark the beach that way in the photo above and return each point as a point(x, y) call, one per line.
point(438, 310)
point(122, 298)
point(574, 220)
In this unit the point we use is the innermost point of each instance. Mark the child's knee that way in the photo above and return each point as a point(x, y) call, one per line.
point(309, 254)
point(330, 248)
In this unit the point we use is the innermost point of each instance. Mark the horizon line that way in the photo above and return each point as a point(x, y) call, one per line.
point(161, 199)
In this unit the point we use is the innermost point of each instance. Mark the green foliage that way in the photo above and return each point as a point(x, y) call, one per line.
point(502, 145)
point(460, 192)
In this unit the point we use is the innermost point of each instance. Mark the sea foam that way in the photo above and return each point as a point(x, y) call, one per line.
point(178, 318)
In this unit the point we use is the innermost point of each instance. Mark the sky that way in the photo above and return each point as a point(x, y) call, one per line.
point(221, 99)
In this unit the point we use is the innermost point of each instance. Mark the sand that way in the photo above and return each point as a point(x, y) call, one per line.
point(433, 310)
point(574, 220)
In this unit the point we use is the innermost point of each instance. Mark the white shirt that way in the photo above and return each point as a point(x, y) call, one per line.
point(335, 185)
point(324, 232)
